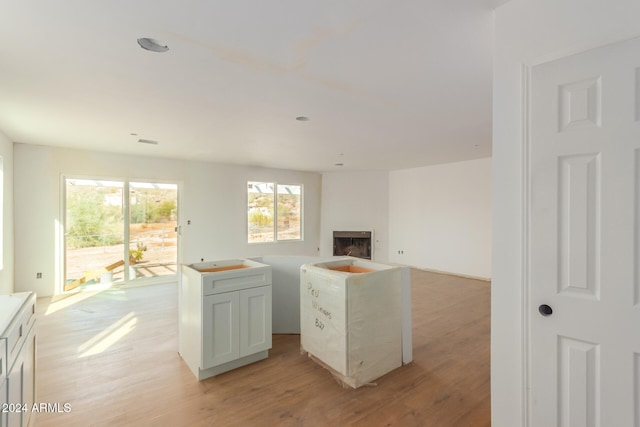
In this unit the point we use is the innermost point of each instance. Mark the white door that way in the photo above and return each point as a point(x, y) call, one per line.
point(585, 239)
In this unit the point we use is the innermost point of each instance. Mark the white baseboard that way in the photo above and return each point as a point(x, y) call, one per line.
point(466, 276)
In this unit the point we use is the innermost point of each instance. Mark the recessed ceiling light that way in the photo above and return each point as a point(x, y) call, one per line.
point(148, 141)
point(152, 45)
point(302, 119)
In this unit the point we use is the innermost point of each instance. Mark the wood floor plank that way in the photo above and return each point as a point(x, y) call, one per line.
point(112, 355)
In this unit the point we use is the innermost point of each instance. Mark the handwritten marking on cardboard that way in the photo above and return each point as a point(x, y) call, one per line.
point(321, 309)
point(315, 294)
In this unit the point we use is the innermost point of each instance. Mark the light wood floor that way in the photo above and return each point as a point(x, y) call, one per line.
point(113, 357)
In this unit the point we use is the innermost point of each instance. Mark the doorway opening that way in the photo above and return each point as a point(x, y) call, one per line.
point(119, 232)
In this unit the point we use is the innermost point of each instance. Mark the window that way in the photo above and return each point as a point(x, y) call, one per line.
point(274, 212)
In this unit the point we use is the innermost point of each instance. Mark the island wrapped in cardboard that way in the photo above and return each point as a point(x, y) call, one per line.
point(355, 318)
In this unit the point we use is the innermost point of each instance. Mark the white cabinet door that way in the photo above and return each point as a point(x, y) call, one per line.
point(255, 320)
point(220, 329)
point(3, 401)
point(16, 392)
point(21, 385)
point(29, 379)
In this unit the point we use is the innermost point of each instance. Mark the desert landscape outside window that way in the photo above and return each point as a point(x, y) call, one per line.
point(119, 231)
point(274, 212)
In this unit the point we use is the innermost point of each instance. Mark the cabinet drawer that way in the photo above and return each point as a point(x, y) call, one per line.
point(3, 360)
point(235, 280)
point(19, 329)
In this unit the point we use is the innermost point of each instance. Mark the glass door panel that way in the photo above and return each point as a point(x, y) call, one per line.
point(94, 232)
point(153, 211)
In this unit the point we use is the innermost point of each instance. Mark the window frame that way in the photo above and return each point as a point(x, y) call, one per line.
point(274, 207)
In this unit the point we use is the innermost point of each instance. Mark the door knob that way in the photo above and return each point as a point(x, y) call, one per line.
point(545, 310)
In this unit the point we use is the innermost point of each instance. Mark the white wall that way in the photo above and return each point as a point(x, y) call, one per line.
point(528, 32)
point(440, 217)
point(285, 278)
point(213, 198)
point(356, 201)
point(448, 206)
point(6, 220)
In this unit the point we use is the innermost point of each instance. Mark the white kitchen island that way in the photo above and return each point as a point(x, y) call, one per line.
point(355, 318)
point(225, 315)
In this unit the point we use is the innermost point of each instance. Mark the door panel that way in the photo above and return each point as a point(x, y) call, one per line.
point(636, 297)
point(636, 388)
point(255, 320)
point(579, 382)
point(220, 329)
point(585, 239)
point(153, 233)
point(94, 231)
point(3, 400)
point(579, 231)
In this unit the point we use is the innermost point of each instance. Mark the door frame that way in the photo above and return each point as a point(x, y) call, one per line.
point(525, 273)
point(525, 71)
point(158, 279)
point(61, 227)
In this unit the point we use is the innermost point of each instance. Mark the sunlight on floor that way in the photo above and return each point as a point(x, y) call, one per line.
point(67, 300)
point(109, 336)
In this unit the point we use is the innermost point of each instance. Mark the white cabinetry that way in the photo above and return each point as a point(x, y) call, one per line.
point(17, 358)
point(3, 381)
point(225, 315)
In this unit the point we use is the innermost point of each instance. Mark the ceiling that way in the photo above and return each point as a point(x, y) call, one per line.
point(386, 84)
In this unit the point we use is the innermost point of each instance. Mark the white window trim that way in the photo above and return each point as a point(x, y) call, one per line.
point(275, 240)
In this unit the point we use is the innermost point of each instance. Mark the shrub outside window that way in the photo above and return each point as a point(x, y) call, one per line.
point(274, 212)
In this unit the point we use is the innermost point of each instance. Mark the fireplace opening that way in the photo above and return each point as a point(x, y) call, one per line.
point(352, 243)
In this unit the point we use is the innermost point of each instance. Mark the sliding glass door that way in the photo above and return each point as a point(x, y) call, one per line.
point(119, 231)
point(152, 229)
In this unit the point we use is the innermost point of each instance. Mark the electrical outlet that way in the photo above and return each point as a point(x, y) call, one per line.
point(38, 275)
